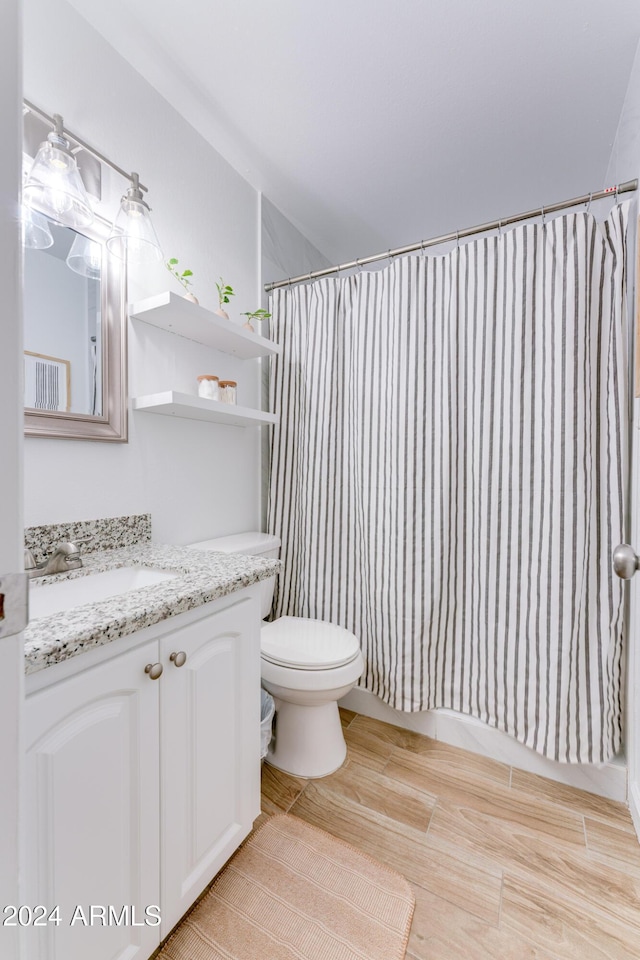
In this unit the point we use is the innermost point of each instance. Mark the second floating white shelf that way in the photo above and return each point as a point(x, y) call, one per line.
point(174, 404)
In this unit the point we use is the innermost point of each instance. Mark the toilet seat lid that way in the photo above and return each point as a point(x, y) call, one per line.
point(307, 644)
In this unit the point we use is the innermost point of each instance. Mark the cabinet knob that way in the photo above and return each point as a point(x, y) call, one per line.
point(154, 670)
point(178, 658)
point(625, 561)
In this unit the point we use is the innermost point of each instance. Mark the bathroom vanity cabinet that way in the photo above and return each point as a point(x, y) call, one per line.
point(138, 789)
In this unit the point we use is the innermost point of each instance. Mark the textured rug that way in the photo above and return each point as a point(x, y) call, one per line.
point(293, 892)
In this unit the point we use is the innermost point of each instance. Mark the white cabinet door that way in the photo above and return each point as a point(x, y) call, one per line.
point(92, 811)
point(210, 760)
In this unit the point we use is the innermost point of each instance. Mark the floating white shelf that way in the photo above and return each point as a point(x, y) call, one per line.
point(173, 404)
point(171, 312)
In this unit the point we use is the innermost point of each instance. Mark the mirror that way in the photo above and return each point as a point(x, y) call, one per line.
point(75, 337)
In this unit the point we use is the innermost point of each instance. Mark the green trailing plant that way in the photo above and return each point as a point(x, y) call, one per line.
point(225, 292)
point(256, 315)
point(183, 278)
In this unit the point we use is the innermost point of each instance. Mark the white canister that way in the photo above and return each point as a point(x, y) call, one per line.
point(208, 387)
point(228, 391)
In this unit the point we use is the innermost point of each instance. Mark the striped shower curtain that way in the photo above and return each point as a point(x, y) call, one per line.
point(448, 476)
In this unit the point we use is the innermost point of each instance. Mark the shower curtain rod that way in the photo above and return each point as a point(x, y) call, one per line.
point(626, 187)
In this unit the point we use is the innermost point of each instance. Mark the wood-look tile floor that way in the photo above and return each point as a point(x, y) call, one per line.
point(504, 865)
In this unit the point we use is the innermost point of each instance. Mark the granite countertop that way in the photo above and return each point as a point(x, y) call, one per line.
point(202, 577)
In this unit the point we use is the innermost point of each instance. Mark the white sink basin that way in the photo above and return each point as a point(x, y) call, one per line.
point(48, 598)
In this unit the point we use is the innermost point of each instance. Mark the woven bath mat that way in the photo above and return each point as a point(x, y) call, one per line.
point(294, 892)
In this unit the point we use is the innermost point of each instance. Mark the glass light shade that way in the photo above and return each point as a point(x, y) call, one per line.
point(36, 234)
point(54, 186)
point(85, 257)
point(132, 236)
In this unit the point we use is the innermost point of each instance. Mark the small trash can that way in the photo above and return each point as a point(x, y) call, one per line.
point(267, 710)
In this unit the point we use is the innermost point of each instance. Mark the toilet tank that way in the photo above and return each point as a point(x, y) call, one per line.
point(253, 544)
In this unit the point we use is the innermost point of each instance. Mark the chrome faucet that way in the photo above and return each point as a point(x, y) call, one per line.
point(64, 558)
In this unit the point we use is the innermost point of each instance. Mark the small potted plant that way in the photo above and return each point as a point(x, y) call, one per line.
point(225, 292)
point(255, 315)
point(184, 278)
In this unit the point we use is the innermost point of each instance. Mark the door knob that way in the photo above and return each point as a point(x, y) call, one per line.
point(178, 658)
point(625, 561)
point(154, 670)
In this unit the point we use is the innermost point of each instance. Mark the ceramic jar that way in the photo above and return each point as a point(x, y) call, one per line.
point(208, 387)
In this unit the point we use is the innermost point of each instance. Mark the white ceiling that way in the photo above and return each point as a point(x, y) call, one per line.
point(376, 123)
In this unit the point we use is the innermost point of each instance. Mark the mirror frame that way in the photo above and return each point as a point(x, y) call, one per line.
point(112, 426)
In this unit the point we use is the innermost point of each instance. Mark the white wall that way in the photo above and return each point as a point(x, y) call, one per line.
point(198, 480)
point(11, 648)
point(624, 163)
point(285, 251)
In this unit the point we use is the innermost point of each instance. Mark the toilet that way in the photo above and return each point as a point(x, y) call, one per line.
point(307, 666)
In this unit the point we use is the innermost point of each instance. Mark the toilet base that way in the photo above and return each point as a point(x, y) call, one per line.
point(308, 740)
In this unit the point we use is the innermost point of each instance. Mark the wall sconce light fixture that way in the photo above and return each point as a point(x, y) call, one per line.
point(132, 236)
point(36, 234)
point(85, 257)
point(54, 189)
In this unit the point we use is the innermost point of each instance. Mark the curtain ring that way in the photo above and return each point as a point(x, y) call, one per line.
point(457, 238)
point(589, 202)
point(358, 265)
point(499, 228)
point(615, 199)
point(543, 216)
